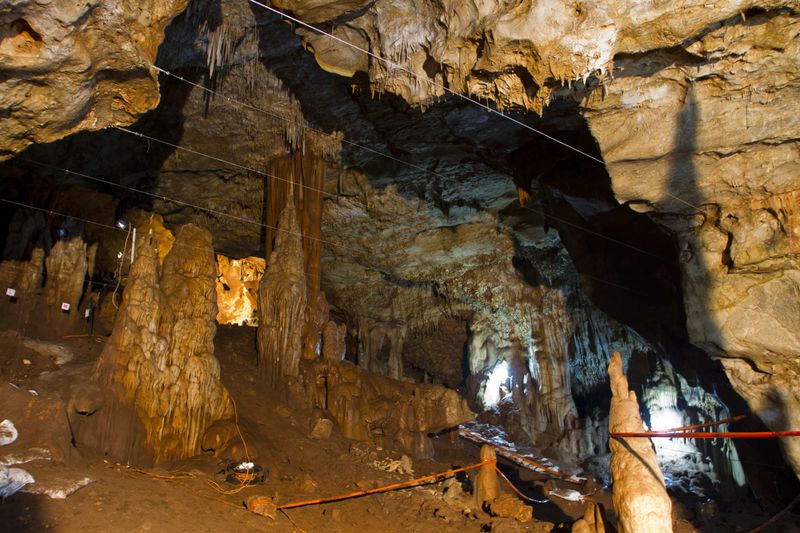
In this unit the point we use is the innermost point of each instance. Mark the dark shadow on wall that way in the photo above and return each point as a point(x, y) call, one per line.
point(770, 478)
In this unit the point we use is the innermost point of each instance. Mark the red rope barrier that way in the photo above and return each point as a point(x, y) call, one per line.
point(708, 424)
point(383, 489)
point(709, 434)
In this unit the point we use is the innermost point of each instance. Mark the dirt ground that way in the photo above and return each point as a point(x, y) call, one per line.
point(184, 498)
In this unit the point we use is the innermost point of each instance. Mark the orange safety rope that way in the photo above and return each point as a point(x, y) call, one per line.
point(517, 458)
point(709, 434)
point(515, 489)
point(777, 517)
point(383, 489)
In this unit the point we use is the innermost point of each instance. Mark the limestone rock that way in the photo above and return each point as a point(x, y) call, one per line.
point(237, 289)
point(262, 505)
point(703, 144)
point(322, 429)
point(387, 412)
point(592, 521)
point(639, 495)
point(508, 506)
point(70, 66)
point(534, 48)
point(218, 435)
point(773, 394)
point(24, 276)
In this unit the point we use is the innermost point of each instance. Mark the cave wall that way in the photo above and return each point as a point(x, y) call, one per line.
point(704, 138)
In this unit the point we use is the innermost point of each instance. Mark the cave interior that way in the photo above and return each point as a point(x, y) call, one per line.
point(258, 254)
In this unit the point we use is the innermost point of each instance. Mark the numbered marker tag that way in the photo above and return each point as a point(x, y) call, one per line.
point(11, 292)
point(64, 306)
point(88, 313)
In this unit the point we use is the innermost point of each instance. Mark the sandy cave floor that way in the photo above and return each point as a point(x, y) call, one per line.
point(120, 498)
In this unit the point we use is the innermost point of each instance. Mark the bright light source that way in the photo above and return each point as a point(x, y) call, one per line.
point(498, 377)
point(666, 418)
point(669, 449)
point(119, 255)
point(122, 224)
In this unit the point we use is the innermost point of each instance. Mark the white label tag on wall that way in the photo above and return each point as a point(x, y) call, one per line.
point(64, 306)
point(11, 292)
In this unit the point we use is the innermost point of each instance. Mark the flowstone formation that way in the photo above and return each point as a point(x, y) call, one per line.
point(381, 410)
point(516, 54)
point(159, 363)
point(56, 56)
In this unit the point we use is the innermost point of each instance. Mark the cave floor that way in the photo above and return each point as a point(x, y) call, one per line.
point(121, 498)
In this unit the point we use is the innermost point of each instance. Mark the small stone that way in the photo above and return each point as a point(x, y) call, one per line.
point(26, 362)
point(261, 505)
point(322, 429)
point(333, 514)
point(367, 484)
point(406, 465)
point(307, 484)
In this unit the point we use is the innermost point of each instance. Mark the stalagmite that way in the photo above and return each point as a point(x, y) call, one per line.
point(333, 341)
point(66, 266)
point(592, 521)
point(159, 363)
point(282, 306)
point(640, 497)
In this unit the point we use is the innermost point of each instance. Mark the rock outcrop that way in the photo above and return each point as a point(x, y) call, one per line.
point(238, 281)
point(159, 363)
point(381, 410)
point(73, 66)
point(640, 497)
